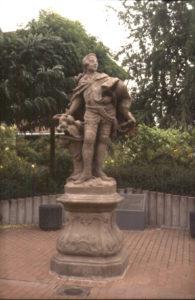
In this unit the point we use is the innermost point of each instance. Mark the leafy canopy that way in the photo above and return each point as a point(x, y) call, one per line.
point(37, 68)
point(159, 55)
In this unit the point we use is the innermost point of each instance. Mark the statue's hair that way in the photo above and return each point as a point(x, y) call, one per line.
point(86, 59)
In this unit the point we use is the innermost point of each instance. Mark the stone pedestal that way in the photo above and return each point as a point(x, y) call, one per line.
point(91, 245)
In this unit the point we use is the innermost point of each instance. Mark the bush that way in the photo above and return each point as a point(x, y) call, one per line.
point(177, 180)
point(14, 172)
point(7, 137)
point(25, 150)
point(155, 159)
point(24, 166)
point(155, 145)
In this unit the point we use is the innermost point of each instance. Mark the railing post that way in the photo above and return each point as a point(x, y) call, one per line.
point(146, 193)
point(29, 211)
point(44, 199)
point(37, 202)
point(21, 211)
point(191, 207)
point(160, 209)
point(4, 210)
point(168, 210)
point(175, 210)
point(152, 208)
point(183, 222)
point(13, 211)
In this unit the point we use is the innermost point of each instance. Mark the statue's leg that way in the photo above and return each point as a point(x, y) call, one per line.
point(90, 132)
point(75, 149)
point(102, 140)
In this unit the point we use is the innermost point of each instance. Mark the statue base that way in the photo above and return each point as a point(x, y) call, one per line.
point(92, 268)
point(91, 244)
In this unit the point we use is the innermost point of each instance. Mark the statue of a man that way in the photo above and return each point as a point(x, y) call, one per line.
point(101, 103)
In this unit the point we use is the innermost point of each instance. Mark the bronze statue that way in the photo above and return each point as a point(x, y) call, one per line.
point(99, 110)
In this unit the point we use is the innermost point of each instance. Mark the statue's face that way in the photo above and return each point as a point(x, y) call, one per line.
point(92, 64)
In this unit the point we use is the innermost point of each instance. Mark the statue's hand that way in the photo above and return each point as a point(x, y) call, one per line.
point(79, 124)
point(70, 119)
point(127, 125)
point(56, 117)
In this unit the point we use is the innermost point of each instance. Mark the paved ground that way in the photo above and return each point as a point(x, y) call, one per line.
point(161, 265)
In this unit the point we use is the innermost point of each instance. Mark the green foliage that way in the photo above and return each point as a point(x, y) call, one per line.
point(155, 159)
point(32, 79)
point(159, 56)
point(37, 151)
point(14, 171)
point(177, 180)
point(37, 69)
point(7, 137)
point(38, 65)
point(73, 32)
point(154, 145)
point(24, 166)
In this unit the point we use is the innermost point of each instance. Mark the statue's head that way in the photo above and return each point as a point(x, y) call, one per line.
point(90, 62)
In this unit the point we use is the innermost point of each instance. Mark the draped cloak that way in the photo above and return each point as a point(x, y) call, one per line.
point(103, 82)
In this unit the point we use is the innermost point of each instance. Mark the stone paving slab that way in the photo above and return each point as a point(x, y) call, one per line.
point(161, 265)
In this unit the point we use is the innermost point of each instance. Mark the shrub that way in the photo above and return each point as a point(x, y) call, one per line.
point(25, 150)
point(24, 166)
point(155, 159)
point(177, 180)
point(14, 171)
point(7, 137)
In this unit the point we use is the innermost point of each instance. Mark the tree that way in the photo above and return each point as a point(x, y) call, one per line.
point(32, 78)
point(37, 69)
point(38, 65)
point(160, 58)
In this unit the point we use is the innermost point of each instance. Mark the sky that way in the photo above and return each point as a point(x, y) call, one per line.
point(96, 19)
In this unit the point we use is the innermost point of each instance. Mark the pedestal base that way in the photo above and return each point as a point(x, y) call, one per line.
point(91, 268)
point(91, 245)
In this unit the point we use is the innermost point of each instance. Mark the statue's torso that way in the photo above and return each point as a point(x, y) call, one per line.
point(93, 95)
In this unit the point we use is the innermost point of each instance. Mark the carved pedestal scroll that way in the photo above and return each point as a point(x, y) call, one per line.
point(91, 244)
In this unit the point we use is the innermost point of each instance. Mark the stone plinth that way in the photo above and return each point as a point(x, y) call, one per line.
point(91, 245)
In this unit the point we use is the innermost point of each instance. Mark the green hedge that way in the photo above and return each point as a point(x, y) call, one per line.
point(161, 178)
point(24, 166)
point(154, 159)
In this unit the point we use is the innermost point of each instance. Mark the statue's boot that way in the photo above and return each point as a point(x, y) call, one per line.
point(102, 175)
point(74, 176)
point(83, 177)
